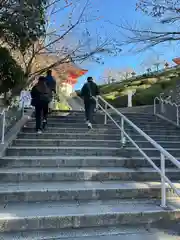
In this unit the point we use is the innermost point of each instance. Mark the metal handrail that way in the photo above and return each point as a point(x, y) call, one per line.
point(3, 114)
point(163, 153)
point(166, 101)
point(7, 108)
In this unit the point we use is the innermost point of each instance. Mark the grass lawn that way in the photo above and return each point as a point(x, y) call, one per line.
point(147, 88)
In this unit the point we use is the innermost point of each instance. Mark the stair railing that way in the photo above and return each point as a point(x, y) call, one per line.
point(166, 102)
point(4, 119)
point(104, 106)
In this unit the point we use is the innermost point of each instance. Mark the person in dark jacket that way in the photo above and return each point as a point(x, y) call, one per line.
point(51, 83)
point(88, 92)
point(41, 96)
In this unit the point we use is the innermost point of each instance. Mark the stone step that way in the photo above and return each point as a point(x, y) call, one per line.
point(72, 119)
point(164, 144)
point(138, 122)
point(85, 151)
point(73, 130)
point(66, 151)
point(67, 142)
point(89, 142)
point(96, 233)
point(89, 190)
point(99, 114)
point(100, 119)
point(79, 214)
point(145, 119)
point(143, 115)
point(84, 174)
point(147, 126)
point(154, 124)
point(156, 137)
point(57, 235)
point(135, 114)
point(94, 135)
point(159, 131)
point(110, 124)
point(87, 135)
point(72, 125)
point(103, 129)
point(78, 161)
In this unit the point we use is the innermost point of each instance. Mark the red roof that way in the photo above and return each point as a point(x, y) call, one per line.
point(77, 73)
point(72, 76)
point(177, 61)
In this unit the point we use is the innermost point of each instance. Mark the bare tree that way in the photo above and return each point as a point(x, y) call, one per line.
point(62, 46)
point(168, 10)
point(117, 75)
point(153, 62)
point(166, 14)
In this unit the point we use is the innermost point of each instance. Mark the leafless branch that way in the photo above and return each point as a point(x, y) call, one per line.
point(167, 12)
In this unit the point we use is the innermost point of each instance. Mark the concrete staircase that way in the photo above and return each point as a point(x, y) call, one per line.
point(72, 183)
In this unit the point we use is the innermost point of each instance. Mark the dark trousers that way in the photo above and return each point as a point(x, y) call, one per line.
point(41, 111)
point(89, 110)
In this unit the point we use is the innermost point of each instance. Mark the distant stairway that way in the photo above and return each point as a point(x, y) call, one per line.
point(75, 184)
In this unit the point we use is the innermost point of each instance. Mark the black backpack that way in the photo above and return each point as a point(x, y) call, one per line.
point(45, 97)
point(92, 98)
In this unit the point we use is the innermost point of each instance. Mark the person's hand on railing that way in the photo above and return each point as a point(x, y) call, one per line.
point(168, 100)
point(160, 96)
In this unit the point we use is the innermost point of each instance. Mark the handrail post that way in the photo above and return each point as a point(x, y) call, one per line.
point(177, 115)
point(105, 115)
point(163, 155)
point(155, 106)
point(122, 131)
point(163, 183)
point(3, 127)
point(162, 106)
point(22, 109)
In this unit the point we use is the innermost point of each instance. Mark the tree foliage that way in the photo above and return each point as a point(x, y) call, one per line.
point(11, 74)
point(22, 22)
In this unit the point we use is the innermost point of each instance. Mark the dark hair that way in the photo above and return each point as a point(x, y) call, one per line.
point(89, 79)
point(49, 72)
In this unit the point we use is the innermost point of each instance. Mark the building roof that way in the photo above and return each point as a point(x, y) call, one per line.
point(177, 61)
point(63, 72)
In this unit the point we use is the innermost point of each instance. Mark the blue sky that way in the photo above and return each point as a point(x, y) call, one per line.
point(118, 11)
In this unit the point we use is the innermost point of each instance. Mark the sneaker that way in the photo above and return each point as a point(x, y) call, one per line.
point(39, 132)
point(89, 125)
point(44, 124)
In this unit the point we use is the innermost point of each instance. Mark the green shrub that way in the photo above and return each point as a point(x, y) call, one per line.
point(119, 102)
point(11, 74)
point(146, 96)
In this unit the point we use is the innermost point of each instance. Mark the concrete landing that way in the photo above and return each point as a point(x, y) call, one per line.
point(109, 233)
point(80, 214)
